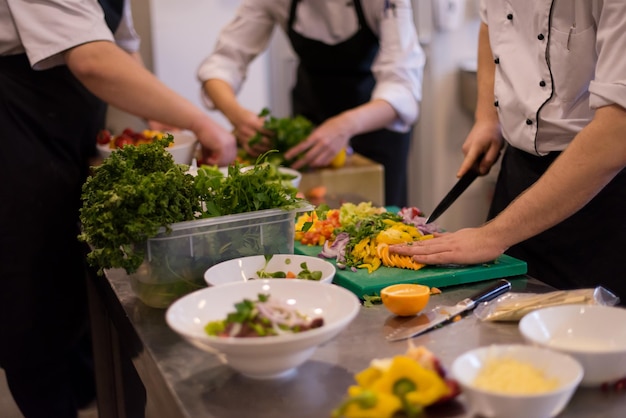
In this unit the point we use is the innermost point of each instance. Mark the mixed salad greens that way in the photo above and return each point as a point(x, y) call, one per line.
point(262, 317)
point(303, 274)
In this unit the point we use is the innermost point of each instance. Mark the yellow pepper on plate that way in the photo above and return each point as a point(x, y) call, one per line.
point(402, 384)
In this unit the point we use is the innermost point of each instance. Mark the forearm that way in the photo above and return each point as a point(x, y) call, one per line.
point(484, 142)
point(594, 157)
point(120, 80)
point(223, 97)
point(368, 117)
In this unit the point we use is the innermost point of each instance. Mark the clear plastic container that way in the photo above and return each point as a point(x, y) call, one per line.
point(175, 260)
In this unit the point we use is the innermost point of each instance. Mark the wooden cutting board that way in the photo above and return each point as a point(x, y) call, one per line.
point(362, 283)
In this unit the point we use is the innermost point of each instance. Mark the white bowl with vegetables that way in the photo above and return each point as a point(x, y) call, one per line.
point(183, 149)
point(516, 381)
point(275, 266)
point(297, 317)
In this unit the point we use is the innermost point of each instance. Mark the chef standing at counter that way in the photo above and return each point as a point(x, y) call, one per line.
point(58, 61)
point(552, 85)
point(358, 79)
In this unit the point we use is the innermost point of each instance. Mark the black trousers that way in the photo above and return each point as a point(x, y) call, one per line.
point(47, 133)
point(587, 249)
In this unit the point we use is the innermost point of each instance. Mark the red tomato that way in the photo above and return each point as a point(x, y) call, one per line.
point(123, 140)
point(104, 137)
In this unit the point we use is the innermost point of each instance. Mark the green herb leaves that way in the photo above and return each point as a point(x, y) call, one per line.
point(286, 133)
point(140, 189)
point(136, 191)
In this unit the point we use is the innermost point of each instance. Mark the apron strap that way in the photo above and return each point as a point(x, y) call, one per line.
point(113, 11)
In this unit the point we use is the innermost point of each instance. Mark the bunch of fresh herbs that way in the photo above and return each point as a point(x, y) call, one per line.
point(139, 190)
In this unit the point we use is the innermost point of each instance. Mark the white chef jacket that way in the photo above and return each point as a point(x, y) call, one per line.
point(398, 67)
point(556, 62)
point(45, 29)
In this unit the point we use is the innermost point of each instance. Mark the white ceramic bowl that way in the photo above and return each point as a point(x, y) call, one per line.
point(595, 335)
point(293, 176)
point(183, 150)
point(264, 357)
point(246, 268)
point(487, 403)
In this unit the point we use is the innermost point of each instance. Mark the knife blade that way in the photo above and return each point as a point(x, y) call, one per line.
point(441, 314)
point(460, 186)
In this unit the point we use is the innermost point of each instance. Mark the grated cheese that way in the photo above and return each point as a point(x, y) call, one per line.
point(507, 375)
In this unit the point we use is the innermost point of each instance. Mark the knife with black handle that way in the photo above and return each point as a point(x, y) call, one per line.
point(441, 314)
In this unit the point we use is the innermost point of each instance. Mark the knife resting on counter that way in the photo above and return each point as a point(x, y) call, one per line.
point(442, 314)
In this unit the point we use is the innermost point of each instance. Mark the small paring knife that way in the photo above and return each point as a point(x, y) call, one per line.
point(442, 314)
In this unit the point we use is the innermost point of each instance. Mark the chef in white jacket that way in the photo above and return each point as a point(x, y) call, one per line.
point(358, 78)
point(552, 86)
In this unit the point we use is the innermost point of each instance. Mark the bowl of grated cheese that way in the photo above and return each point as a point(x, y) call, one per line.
point(516, 381)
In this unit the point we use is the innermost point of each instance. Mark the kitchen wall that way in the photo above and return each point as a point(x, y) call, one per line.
point(179, 34)
point(176, 37)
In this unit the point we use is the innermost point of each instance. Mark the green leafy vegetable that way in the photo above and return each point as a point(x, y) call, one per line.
point(136, 191)
point(371, 300)
point(286, 133)
point(304, 274)
point(139, 190)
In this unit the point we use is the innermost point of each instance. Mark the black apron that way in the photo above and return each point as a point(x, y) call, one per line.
point(333, 78)
point(585, 250)
point(49, 123)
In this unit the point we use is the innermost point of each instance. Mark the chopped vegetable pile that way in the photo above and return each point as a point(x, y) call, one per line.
point(358, 236)
point(263, 317)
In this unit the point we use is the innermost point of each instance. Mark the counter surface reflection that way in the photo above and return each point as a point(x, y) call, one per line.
point(145, 369)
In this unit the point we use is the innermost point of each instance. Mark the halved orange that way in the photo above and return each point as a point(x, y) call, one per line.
point(405, 299)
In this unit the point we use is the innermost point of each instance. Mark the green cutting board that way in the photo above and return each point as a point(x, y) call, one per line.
point(362, 283)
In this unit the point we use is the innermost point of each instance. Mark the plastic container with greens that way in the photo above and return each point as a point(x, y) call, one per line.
point(146, 214)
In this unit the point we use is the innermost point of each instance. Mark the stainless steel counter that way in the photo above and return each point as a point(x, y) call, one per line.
point(145, 369)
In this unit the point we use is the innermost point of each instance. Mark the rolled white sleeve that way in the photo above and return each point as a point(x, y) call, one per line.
point(125, 35)
point(238, 44)
point(609, 84)
point(44, 39)
point(399, 66)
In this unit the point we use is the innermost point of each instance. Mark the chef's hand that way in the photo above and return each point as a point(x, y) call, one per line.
point(246, 124)
point(324, 143)
point(481, 148)
point(466, 246)
point(219, 146)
